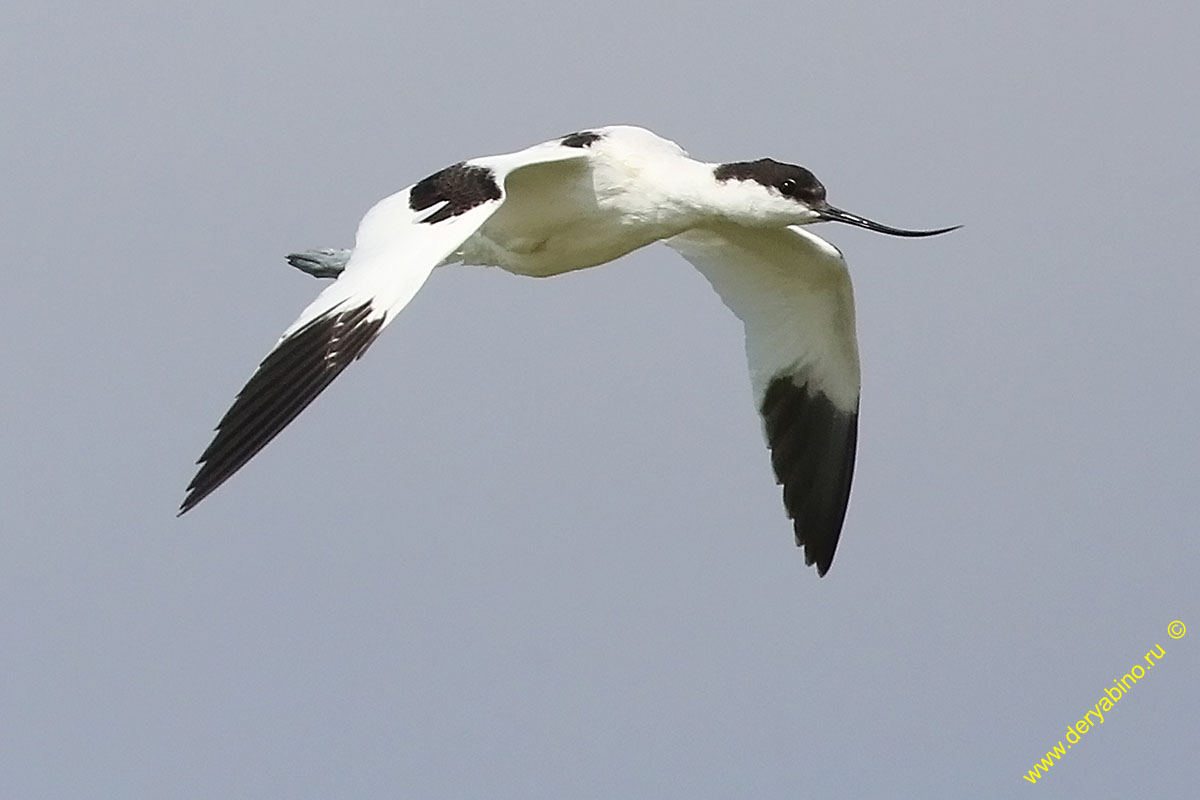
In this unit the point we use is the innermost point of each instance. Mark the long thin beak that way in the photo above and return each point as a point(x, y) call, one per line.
point(832, 214)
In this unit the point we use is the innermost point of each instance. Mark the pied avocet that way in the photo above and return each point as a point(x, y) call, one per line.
point(576, 202)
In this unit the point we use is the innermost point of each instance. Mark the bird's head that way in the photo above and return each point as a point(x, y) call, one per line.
point(771, 193)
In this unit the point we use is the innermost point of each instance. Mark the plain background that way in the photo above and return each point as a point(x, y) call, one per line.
point(531, 546)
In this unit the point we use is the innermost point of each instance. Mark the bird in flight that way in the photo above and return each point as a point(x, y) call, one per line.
point(579, 201)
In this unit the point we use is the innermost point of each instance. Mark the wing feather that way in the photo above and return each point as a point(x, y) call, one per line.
point(792, 291)
point(288, 379)
point(398, 244)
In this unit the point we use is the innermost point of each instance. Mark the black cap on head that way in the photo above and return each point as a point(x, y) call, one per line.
point(789, 179)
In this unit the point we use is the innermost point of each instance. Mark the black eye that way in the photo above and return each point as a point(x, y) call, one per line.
point(787, 186)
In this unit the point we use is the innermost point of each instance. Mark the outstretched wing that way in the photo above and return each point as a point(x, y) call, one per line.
point(398, 244)
point(792, 291)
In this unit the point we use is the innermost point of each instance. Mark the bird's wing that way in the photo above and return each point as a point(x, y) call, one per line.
point(398, 244)
point(792, 291)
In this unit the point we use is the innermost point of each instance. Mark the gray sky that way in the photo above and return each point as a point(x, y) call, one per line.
point(531, 546)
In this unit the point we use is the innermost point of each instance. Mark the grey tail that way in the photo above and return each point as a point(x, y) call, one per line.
point(325, 263)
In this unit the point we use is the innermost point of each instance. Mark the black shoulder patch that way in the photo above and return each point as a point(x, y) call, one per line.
point(581, 139)
point(812, 451)
point(461, 187)
point(771, 173)
point(288, 379)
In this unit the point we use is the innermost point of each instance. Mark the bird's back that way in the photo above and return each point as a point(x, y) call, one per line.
point(568, 215)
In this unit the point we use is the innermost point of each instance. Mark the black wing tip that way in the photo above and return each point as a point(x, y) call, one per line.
point(196, 491)
point(812, 445)
point(286, 382)
point(820, 532)
point(202, 485)
point(820, 557)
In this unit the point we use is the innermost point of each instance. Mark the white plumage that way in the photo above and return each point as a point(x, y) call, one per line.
point(576, 202)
